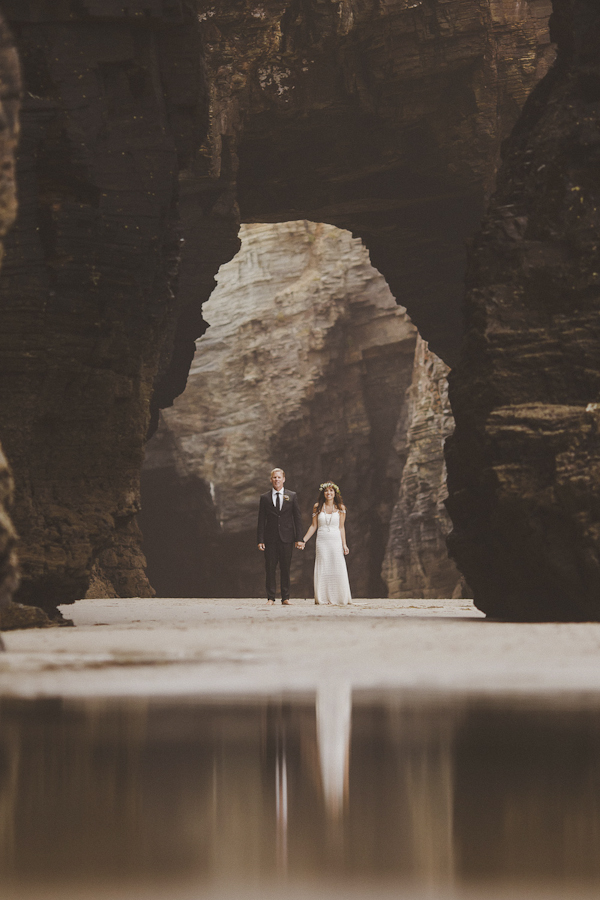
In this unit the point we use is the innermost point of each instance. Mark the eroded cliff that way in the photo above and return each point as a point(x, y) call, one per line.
point(524, 463)
point(9, 129)
point(416, 562)
point(149, 121)
point(110, 104)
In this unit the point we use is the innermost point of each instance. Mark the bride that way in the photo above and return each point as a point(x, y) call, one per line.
point(331, 575)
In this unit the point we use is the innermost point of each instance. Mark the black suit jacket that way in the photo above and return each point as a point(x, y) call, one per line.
point(285, 525)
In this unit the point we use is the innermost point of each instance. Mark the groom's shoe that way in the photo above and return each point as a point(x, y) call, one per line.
point(271, 602)
point(285, 603)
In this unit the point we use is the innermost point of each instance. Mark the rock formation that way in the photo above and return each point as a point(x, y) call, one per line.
point(110, 102)
point(306, 365)
point(9, 127)
point(524, 463)
point(416, 563)
point(148, 121)
point(9, 570)
point(381, 118)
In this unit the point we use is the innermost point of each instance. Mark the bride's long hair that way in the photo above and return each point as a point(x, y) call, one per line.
point(337, 497)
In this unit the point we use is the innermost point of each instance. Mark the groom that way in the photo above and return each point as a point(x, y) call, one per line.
point(279, 526)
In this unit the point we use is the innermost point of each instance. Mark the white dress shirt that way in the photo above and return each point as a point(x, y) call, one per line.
point(274, 497)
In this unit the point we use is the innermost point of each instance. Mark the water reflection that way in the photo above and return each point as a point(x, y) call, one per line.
point(440, 795)
point(334, 719)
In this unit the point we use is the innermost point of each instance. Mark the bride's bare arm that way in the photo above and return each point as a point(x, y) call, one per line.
point(343, 530)
point(313, 526)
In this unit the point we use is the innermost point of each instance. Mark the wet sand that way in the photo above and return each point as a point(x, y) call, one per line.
point(163, 647)
point(382, 751)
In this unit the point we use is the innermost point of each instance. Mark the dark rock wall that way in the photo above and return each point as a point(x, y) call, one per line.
point(524, 463)
point(9, 129)
point(112, 108)
point(188, 554)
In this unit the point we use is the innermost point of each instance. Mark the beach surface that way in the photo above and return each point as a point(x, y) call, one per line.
point(244, 647)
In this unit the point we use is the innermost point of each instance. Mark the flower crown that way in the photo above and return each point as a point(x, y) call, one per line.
point(329, 484)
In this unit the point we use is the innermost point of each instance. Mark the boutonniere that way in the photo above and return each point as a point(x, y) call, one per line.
point(286, 496)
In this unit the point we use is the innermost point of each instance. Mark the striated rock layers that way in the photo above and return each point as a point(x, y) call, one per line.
point(148, 121)
point(9, 128)
point(416, 561)
point(524, 463)
point(306, 365)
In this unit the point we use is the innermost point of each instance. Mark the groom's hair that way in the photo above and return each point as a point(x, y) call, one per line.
point(278, 469)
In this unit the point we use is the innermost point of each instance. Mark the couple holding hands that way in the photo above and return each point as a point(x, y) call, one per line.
point(280, 524)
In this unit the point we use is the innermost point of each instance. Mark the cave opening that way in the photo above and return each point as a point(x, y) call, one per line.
point(309, 363)
point(140, 134)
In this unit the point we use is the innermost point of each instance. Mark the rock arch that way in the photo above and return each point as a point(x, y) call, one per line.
point(149, 125)
point(307, 364)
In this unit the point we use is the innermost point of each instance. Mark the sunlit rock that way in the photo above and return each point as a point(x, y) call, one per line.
point(306, 365)
point(416, 561)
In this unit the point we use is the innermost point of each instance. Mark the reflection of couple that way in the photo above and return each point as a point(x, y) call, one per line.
point(280, 524)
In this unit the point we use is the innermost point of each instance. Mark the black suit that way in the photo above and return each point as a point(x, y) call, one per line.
point(278, 530)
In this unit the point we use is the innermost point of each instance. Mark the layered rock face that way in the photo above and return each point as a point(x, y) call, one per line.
point(524, 463)
point(306, 366)
point(152, 120)
point(111, 104)
point(9, 128)
point(416, 562)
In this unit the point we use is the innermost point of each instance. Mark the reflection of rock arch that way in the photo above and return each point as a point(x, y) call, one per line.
point(402, 788)
point(429, 784)
point(70, 789)
point(10, 759)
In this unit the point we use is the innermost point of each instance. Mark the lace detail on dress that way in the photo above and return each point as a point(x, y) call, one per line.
point(331, 574)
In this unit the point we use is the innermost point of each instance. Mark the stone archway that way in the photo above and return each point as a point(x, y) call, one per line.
point(307, 363)
point(147, 124)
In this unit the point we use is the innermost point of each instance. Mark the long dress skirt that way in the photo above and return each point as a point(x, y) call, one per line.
point(331, 575)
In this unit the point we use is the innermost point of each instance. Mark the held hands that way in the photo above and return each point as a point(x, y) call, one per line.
point(299, 546)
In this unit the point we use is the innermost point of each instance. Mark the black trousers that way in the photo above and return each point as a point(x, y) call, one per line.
point(278, 553)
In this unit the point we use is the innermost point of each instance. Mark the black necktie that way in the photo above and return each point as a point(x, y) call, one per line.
point(278, 504)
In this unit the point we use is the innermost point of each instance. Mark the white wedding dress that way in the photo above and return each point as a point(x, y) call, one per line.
point(331, 575)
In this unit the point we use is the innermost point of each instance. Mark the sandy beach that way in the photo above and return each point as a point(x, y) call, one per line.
point(162, 647)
